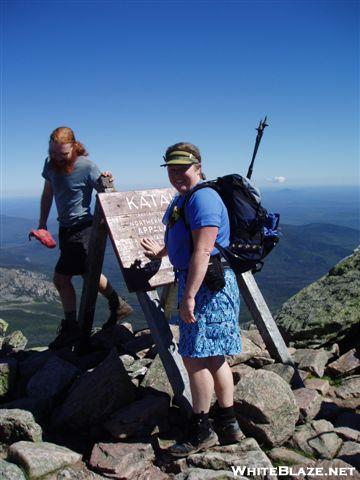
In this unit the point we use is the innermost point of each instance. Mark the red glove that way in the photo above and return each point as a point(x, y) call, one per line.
point(44, 237)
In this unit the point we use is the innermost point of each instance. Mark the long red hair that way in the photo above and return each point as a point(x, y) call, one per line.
point(66, 135)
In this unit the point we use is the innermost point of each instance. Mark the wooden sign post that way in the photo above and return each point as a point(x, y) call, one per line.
point(129, 217)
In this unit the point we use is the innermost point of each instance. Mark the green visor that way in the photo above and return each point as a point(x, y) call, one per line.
point(180, 158)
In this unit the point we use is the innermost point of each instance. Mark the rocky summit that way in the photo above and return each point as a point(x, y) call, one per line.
point(110, 412)
point(327, 311)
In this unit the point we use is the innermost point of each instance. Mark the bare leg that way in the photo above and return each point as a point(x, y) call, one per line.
point(66, 291)
point(223, 380)
point(105, 287)
point(201, 383)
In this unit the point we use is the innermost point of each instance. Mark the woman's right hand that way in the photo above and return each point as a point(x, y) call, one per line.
point(151, 248)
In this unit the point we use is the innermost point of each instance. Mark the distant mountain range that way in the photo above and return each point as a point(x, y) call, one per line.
point(304, 254)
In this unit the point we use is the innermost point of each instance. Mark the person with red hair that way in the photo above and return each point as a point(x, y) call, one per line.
point(70, 178)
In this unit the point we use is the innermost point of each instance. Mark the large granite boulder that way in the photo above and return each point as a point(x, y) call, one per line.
point(266, 407)
point(138, 418)
point(313, 361)
point(96, 395)
point(122, 460)
point(156, 377)
point(9, 471)
point(51, 379)
point(347, 364)
point(39, 459)
point(326, 311)
point(247, 454)
point(14, 342)
point(18, 425)
point(8, 370)
point(317, 438)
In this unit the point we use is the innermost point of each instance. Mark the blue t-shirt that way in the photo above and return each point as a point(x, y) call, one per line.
point(73, 192)
point(204, 209)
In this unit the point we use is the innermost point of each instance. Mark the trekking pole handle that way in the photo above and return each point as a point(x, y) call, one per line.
point(260, 130)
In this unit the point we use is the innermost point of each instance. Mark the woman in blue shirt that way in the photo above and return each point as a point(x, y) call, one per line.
point(208, 319)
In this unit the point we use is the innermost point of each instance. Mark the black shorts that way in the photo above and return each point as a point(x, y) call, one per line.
point(73, 243)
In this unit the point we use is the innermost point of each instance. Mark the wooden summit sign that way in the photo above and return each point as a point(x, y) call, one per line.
point(131, 216)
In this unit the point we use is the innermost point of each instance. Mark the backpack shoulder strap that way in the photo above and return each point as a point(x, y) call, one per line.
point(188, 196)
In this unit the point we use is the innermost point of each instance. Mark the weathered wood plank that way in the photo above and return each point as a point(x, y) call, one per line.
point(171, 360)
point(131, 216)
point(264, 321)
point(95, 260)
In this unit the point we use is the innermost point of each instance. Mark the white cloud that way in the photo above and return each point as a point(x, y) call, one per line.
point(278, 179)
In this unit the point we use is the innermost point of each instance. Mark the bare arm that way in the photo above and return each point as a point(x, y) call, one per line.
point(204, 240)
point(45, 204)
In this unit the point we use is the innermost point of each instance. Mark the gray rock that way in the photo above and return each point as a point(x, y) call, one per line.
point(347, 364)
point(254, 335)
point(78, 471)
point(9, 471)
point(309, 403)
point(247, 453)
point(240, 371)
point(121, 460)
point(286, 372)
point(350, 453)
point(138, 418)
point(96, 395)
point(266, 407)
point(317, 438)
point(336, 469)
point(326, 311)
point(205, 474)
point(349, 388)
point(156, 378)
point(347, 433)
point(116, 336)
point(3, 327)
point(127, 360)
point(38, 459)
point(314, 361)
point(18, 425)
point(7, 376)
point(249, 350)
point(284, 456)
point(259, 361)
point(318, 384)
point(52, 378)
point(14, 342)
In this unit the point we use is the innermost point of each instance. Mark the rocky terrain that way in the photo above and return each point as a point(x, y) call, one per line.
point(109, 412)
point(24, 286)
point(328, 310)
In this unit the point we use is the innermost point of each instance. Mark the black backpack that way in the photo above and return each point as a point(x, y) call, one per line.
point(253, 231)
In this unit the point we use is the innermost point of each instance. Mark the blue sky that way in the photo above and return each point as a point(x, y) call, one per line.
point(132, 78)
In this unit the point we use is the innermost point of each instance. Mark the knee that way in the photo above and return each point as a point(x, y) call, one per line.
point(61, 282)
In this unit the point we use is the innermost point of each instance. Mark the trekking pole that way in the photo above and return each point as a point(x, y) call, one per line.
point(260, 131)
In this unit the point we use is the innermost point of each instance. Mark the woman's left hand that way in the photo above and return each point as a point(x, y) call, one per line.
point(186, 310)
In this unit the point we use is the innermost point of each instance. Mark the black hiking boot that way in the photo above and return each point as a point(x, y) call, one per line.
point(228, 431)
point(200, 437)
point(119, 309)
point(226, 426)
point(68, 334)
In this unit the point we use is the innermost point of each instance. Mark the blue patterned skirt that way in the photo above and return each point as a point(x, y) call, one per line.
point(216, 331)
